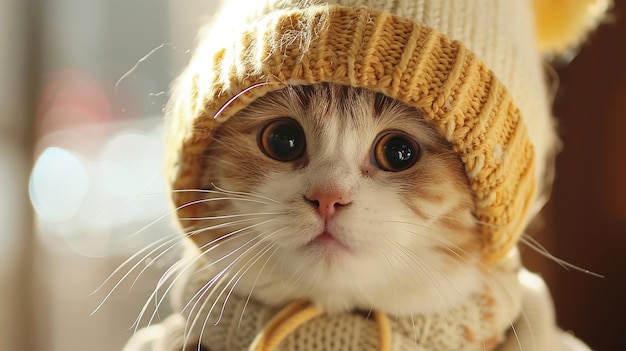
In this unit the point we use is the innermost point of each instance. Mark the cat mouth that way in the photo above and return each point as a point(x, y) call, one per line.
point(329, 241)
point(325, 237)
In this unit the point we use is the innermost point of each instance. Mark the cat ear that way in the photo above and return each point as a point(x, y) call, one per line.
point(562, 25)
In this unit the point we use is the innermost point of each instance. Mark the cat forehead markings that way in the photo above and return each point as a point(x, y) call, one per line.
point(341, 113)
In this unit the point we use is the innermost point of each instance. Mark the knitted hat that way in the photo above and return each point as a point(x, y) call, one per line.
point(472, 67)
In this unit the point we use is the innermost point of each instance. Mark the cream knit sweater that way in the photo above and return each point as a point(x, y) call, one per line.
point(513, 311)
point(481, 322)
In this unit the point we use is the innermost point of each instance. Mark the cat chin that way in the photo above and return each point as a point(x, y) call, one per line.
point(356, 283)
point(405, 300)
point(351, 283)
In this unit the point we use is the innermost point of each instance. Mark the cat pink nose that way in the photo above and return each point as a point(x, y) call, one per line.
point(328, 202)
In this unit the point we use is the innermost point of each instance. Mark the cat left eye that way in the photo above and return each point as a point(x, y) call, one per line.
point(395, 151)
point(282, 139)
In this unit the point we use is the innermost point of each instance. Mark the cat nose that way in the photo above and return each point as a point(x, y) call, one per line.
point(328, 203)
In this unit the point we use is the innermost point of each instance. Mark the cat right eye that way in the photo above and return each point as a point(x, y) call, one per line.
point(395, 151)
point(282, 139)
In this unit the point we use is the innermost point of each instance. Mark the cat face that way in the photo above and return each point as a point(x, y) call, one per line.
point(340, 196)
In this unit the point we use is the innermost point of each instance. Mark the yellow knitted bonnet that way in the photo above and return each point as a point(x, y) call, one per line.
point(472, 67)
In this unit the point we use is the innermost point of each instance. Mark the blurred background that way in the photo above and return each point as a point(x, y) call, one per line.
point(82, 88)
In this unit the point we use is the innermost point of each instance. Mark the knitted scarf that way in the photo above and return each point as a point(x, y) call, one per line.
point(231, 322)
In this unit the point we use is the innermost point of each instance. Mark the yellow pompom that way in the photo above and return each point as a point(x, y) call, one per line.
point(563, 24)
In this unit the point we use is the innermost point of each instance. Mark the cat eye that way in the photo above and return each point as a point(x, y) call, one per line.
point(395, 151)
point(282, 139)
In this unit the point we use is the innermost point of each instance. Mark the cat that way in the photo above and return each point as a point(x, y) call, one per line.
point(335, 195)
point(297, 176)
point(343, 197)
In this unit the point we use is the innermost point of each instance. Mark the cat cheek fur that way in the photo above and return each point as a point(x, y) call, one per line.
point(410, 235)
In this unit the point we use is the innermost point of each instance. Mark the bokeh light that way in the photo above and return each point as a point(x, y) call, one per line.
point(92, 195)
point(58, 185)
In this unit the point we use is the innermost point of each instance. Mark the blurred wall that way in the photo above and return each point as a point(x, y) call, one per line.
point(18, 41)
point(104, 69)
point(586, 218)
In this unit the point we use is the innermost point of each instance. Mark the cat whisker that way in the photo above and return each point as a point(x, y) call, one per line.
point(220, 241)
point(224, 197)
point(234, 98)
point(491, 225)
point(229, 216)
point(515, 333)
point(292, 280)
point(159, 244)
point(240, 273)
point(132, 258)
point(540, 249)
point(233, 198)
point(397, 276)
point(221, 191)
point(415, 338)
point(249, 265)
point(452, 248)
point(421, 264)
point(196, 202)
point(243, 311)
point(207, 247)
point(214, 281)
point(236, 277)
point(155, 259)
point(224, 270)
point(220, 226)
point(260, 196)
point(170, 273)
point(164, 277)
point(140, 252)
point(213, 244)
point(397, 221)
point(487, 270)
point(485, 281)
point(457, 252)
